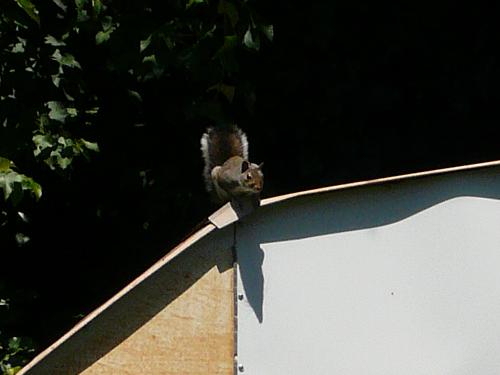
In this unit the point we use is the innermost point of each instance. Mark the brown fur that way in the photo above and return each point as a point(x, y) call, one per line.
point(228, 173)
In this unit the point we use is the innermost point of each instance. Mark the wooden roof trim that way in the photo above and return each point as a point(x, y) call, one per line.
point(202, 232)
point(327, 189)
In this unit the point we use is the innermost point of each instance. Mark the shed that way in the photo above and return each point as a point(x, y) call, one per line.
point(399, 275)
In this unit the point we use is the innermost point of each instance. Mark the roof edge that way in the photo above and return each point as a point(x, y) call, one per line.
point(281, 198)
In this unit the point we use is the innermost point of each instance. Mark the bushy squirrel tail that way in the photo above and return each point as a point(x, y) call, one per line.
point(219, 144)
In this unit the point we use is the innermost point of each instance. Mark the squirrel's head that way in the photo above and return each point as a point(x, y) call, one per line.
point(252, 176)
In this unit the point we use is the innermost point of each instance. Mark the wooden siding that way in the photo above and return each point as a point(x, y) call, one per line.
point(177, 320)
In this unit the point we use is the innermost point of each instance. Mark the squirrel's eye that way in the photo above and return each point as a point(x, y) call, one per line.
point(249, 176)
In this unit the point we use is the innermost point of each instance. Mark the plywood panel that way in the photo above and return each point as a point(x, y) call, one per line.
point(179, 320)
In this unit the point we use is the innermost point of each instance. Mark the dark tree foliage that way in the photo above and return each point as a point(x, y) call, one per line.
point(103, 104)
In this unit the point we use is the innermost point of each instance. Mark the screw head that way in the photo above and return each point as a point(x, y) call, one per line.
point(241, 368)
point(240, 297)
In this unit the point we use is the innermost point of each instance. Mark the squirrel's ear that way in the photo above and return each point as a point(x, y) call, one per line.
point(244, 166)
point(261, 165)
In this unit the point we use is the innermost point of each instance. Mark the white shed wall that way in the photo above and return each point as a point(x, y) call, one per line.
point(399, 278)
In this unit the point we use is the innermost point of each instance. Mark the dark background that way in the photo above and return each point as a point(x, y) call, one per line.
point(347, 91)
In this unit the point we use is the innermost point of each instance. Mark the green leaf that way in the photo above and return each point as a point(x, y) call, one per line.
point(6, 183)
point(14, 184)
point(64, 162)
point(251, 41)
point(97, 5)
point(149, 59)
point(135, 95)
point(60, 4)
point(268, 31)
point(66, 59)
point(13, 370)
point(80, 3)
point(56, 79)
point(191, 2)
point(82, 15)
point(92, 146)
point(65, 141)
point(102, 36)
point(22, 239)
point(69, 60)
point(92, 111)
point(57, 111)
point(42, 142)
point(73, 112)
point(14, 343)
point(4, 164)
point(145, 43)
point(31, 185)
point(68, 96)
point(107, 23)
point(49, 39)
point(18, 48)
point(107, 29)
point(36, 188)
point(30, 9)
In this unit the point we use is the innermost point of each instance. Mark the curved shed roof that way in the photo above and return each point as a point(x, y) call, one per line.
point(220, 219)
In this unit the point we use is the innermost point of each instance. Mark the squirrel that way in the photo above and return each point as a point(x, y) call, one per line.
point(229, 176)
